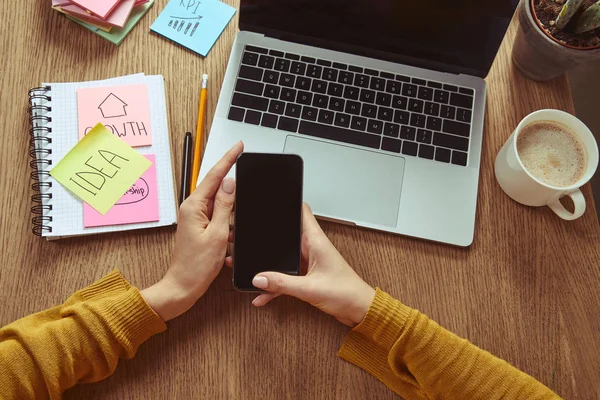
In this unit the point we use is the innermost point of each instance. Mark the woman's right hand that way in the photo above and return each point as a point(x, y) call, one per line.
point(330, 284)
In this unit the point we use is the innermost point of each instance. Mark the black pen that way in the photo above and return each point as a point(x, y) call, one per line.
point(186, 169)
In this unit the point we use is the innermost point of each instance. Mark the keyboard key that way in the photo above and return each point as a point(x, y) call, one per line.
point(425, 93)
point(352, 107)
point(236, 114)
point(383, 99)
point(400, 102)
point(387, 75)
point(448, 112)
point(271, 77)
point(330, 74)
point(409, 148)
point(468, 91)
point(256, 49)
point(358, 123)
point(283, 65)
point(434, 85)
point(346, 77)
point(339, 65)
point(408, 132)
point(415, 105)
point(335, 89)
point(314, 71)
point(272, 91)
point(320, 101)
point(252, 117)
point(309, 113)
point(461, 100)
point(432, 109)
point(392, 145)
point(433, 123)
point(266, 62)
point(451, 88)
point(369, 111)
point(367, 96)
point(269, 120)
point(292, 56)
point(392, 130)
point(393, 87)
point(463, 115)
point(371, 72)
point(418, 81)
point(251, 73)
point(287, 80)
point(250, 87)
point(409, 90)
point(450, 142)
point(385, 114)
point(442, 154)
point(303, 83)
point(276, 107)
point(288, 124)
point(351, 93)
point(417, 120)
point(250, 58)
point(248, 101)
point(426, 151)
point(342, 120)
point(354, 68)
point(293, 110)
point(456, 128)
point(401, 117)
point(298, 68)
point(402, 78)
point(459, 158)
point(336, 104)
point(288, 94)
point(304, 98)
point(424, 136)
point(441, 96)
point(319, 86)
point(361, 80)
point(374, 126)
point(377, 84)
point(339, 134)
point(276, 53)
point(308, 59)
point(324, 63)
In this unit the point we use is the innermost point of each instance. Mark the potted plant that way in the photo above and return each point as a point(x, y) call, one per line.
point(556, 35)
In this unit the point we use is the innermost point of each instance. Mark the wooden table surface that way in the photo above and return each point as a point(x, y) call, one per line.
point(527, 290)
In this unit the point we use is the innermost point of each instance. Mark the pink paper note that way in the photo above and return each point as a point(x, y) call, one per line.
point(138, 204)
point(123, 110)
point(117, 18)
point(58, 3)
point(101, 8)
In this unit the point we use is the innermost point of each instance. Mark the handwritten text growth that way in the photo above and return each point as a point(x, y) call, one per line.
point(129, 128)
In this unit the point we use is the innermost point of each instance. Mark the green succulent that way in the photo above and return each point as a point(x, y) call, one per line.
point(584, 22)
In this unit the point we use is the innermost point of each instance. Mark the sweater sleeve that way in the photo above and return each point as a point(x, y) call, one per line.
point(81, 340)
point(418, 359)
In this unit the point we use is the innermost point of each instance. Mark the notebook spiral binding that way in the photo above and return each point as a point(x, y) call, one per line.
point(41, 158)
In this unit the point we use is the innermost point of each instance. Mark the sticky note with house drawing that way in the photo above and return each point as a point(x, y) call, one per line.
point(123, 110)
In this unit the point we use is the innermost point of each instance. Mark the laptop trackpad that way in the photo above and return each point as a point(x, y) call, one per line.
point(349, 184)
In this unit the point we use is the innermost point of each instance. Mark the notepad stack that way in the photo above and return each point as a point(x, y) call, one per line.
point(110, 19)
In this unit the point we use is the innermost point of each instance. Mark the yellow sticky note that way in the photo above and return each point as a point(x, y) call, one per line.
point(100, 168)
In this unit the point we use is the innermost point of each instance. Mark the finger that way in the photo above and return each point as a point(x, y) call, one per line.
point(229, 262)
point(310, 226)
point(230, 238)
point(264, 299)
point(276, 282)
point(223, 205)
point(210, 184)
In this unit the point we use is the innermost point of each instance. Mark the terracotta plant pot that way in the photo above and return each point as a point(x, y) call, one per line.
point(538, 55)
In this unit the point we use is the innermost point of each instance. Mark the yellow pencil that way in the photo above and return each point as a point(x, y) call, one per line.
point(199, 131)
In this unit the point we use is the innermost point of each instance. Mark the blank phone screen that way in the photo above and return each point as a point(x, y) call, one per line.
point(268, 216)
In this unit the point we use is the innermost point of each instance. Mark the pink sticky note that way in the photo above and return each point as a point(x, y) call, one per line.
point(117, 18)
point(100, 8)
point(138, 204)
point(58, 3)
point(123, 110)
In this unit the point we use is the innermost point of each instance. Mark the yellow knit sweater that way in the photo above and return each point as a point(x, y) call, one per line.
point(82, 340)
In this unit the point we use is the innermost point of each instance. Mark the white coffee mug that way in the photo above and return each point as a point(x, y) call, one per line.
point(525, 188)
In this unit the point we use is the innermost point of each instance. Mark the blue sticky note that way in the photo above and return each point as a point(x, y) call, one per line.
point(195, 24)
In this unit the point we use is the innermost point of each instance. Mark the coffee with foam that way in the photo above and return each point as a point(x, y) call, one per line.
point(552, 153)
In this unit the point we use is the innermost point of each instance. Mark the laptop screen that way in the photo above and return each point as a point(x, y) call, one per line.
point(457, 36)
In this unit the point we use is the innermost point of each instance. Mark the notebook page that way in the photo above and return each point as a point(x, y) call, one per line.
point(67, 209)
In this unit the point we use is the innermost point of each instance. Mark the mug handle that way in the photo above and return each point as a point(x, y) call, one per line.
point(578, 201)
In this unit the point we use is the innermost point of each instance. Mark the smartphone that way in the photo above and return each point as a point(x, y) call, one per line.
point(268, 216)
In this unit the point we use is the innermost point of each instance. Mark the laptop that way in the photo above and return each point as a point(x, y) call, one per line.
point(384, 101)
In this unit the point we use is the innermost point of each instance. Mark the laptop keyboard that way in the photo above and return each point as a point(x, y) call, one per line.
point(355, 105)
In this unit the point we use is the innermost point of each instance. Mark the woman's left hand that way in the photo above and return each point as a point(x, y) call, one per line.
point(200, 243)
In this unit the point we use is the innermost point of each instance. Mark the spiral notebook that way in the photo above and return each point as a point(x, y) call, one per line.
point(54, 131)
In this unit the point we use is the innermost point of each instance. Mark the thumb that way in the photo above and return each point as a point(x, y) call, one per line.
point(223, 204)
point(279, 283)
